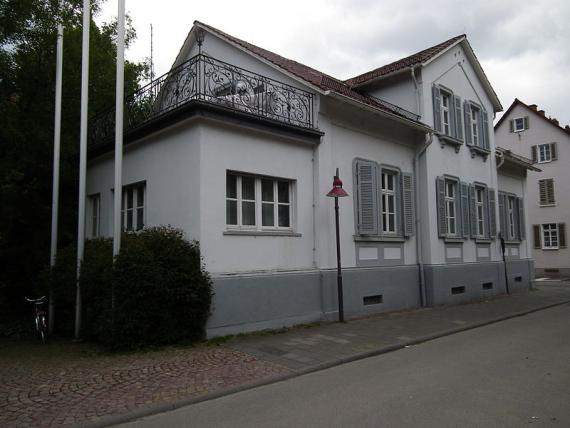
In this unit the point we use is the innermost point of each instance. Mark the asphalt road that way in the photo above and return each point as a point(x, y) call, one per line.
point(510, 374)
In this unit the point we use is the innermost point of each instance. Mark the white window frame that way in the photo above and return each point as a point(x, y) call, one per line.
point(480, 209)
point(95, 203)
point(515, 127)
point(135, 207)
point(259, 203)
point(451, 207)
point(387, 194)
point(445, 111)
point(547, 230)
point(544, 150)
point(511, 227)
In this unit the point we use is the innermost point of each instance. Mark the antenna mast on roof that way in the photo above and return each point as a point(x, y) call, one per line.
point(151, 56)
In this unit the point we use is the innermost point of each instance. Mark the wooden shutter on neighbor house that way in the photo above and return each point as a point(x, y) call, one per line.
point(367, 200)
point(407, 189)
point(465, 210)
point(502, 214)
point(534, 153)
point(553, 151)
point(441, 220)
point(492, 213)
point(436, 98)
point(472, 211)
point(522, 231)
point(546, 191)
point(526, 122)
point(536, 233)
point(467, 115)
point(561, 235)
point(458, 118)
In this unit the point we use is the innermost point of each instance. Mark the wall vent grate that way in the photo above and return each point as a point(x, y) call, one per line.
point(373, 300)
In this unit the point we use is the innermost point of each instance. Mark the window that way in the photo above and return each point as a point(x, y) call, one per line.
point(511, 216)
point(546, 192)
point(550, 236)
point(133, 207)
point(476, 126)
point(447, 114)
point(480, 210)
point(388, 201)
point(543, 153)
point(95, 202)
point(383, 200)
point(258, 203)
point(519, 124)
point(450, 205)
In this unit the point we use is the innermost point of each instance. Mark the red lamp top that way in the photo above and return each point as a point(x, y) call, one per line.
point(337, 190)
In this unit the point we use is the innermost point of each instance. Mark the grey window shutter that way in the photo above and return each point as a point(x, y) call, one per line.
point(458, 118)
point(407, 189)
point(366, 176)
point(436, 107)
point(561, 235)
point(502, 214)
point(441, 221)
point(485, 134)
point(465, 210)
point(472, 211)
point(553, 151)
point(466, 112)
point(492, 213)
point(522, 232)
point(534, 154)
point(512, 125)
point(526, 122)
point(536, 230)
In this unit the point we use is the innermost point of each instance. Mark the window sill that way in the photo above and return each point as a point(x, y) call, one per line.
point(512, 242)
point(453, 240)
point(364, 238)
point(261, 233)
point(483, 240)
point(546, 205)
point(447, 139)
point(476, 150)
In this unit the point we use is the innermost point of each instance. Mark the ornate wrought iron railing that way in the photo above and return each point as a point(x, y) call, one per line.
point(396, 108)
point(203, 78)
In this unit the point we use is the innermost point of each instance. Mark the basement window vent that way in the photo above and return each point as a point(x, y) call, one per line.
point(487, 286)
point(518, 278)
point(458, 290)
point(372, 300)
point(551, 270)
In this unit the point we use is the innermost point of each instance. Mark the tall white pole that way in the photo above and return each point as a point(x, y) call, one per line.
point(56, 151)
point(119, 128)
point(82, 160)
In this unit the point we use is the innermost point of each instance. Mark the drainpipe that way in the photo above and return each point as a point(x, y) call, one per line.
point(419, 255)
point(417, 91)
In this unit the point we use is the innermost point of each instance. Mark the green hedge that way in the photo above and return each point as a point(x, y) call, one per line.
point(155, 293)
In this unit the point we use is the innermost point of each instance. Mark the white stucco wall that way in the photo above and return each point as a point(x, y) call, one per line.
point(541, 131)
point(401, 92)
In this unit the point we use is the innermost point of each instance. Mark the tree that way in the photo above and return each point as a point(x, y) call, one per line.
point(27, 92)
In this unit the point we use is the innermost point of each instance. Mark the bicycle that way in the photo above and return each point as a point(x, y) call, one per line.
point(40, 317)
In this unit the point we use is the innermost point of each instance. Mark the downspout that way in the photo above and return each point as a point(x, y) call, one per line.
point(416, 90)
point(419, 255)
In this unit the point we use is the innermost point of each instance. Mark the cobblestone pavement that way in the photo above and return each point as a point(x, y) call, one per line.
point(72, 391)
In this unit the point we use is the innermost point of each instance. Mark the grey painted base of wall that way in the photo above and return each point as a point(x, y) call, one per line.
point(250, 302)
point(456, 283)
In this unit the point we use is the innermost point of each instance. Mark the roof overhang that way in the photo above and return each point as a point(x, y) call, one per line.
point(507, 158)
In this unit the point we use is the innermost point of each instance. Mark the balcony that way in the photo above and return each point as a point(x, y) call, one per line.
point(208, 81)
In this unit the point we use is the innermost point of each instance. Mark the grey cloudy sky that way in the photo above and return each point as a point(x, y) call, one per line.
point(522, 45)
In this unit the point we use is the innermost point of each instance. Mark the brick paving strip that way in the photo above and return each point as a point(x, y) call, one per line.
point(107, 390)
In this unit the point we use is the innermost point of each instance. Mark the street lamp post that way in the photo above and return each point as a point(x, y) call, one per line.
point(338, 192)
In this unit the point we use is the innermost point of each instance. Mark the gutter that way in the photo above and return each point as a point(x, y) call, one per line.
point(415, 125)
point(419, 254)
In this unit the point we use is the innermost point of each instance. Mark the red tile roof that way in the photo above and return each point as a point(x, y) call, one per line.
point(534, 109)
point(404, 63)
point(317, 78)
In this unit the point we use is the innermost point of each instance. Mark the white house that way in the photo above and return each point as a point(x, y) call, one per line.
point(238, 146)
point(527, 131)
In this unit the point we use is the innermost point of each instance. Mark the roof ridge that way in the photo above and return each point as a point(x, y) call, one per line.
point(552, 120)
point(402, 63)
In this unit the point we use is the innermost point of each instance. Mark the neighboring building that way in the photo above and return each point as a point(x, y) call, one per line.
point(526, 131)
point(238, 147)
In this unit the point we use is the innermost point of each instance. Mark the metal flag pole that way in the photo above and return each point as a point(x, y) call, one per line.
point(119, 128)
point(56, 155)
point(82, 161)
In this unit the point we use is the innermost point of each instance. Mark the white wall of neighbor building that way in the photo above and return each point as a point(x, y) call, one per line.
point(454, 71)
point(168, 162)
point(541, 132)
